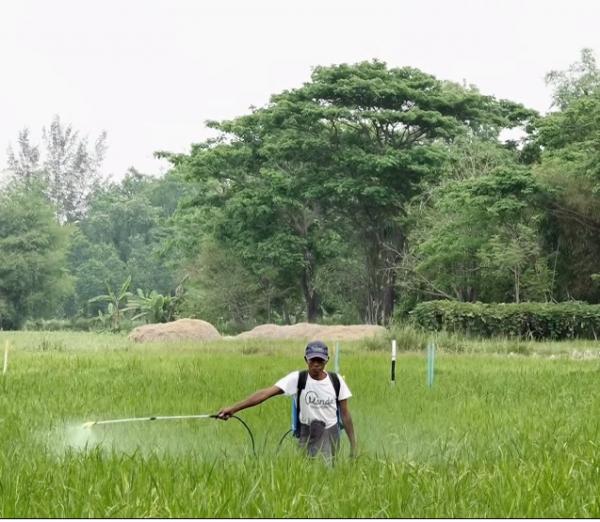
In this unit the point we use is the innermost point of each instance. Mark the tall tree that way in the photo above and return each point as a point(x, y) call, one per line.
point(386, 131)
point(261, 204)
point(348, 149)
point(478, 238)
point(579, 80)
point(69, 169)
point(121, 235)
point(570, 166)
point(25, 163)
point(33, 282)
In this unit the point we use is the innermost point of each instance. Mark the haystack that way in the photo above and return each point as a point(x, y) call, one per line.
point(310, 331)
point(180, 330)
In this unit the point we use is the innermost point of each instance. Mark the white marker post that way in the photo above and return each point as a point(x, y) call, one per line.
point(5, 367)
point(394, 361)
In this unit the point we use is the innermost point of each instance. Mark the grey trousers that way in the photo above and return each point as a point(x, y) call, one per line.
point(316, 439)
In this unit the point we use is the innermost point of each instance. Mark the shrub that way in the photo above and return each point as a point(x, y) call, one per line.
point(526, 320)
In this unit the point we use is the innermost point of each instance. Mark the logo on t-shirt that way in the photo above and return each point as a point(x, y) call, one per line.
point(312, 399)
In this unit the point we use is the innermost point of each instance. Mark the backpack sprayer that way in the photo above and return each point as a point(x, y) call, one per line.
point(295, 412)
point(91, 424)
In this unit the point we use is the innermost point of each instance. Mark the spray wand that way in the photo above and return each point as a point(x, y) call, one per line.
point(90, 424)
point(140, 419)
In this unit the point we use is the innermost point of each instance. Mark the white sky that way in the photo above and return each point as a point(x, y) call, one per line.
point(151, 72)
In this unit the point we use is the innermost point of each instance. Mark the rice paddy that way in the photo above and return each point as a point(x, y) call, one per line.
point(503, 432)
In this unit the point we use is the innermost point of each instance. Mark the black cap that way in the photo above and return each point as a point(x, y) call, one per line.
point(316, 349)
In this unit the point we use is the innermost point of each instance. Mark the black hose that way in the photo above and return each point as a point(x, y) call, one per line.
point(245, 426)
point(282, 439)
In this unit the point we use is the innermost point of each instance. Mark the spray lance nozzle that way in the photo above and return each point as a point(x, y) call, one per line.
point(153, 418)
point(90, 424)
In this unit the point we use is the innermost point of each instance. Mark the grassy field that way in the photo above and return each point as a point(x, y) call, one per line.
point(509, 429)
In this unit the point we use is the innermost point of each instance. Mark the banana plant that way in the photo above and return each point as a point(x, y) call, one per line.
point(117, 303)
point(153, 307)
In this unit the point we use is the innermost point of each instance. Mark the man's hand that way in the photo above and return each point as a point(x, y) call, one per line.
point(225, 413)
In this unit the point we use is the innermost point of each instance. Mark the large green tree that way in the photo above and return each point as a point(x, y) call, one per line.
point(33, 247)
point(570, 166)
point(338, 157)
point(122, 235)
point(477, 238)
point(68, 167)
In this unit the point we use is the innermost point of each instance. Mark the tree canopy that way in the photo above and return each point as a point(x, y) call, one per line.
point(350, 198)
point(336, 160)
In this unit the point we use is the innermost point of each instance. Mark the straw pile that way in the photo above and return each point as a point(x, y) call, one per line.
point(308, 331)
point(180, 330)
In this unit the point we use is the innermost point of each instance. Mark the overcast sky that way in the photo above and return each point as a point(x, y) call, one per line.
point(152, 72)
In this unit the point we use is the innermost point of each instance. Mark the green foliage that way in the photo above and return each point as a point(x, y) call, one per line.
point(569, 167)
point(366, 188)
point(116, 304)
point(525, 320)
point(117, 216)
point(122, 234)
point(578, 81)
point(338, 157)
point(155, 307)
point(33, 248)
point(94, 265)
point(496, 437)
point(222, 290)
point(69, 170)
point(515, 250)
point(343, 284)
point(457, 247)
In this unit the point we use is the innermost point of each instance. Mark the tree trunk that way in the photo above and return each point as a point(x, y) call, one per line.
point(311, 296)
point(381, 257)
point(372, 264)
point(392, 257)
point(311, 299)
point(389, 296)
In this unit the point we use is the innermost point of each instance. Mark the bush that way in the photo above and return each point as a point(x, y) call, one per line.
point(572, 320)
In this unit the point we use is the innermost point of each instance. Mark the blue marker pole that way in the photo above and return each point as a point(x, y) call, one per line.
point(293, 419)
point(430, 363)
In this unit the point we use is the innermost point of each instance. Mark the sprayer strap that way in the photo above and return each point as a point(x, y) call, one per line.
point(335, 380)
point(302, 376)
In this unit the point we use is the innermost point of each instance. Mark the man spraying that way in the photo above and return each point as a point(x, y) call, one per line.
point(320, 396)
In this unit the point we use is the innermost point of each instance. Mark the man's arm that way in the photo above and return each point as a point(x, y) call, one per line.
point(348, 425)
point(252, 400)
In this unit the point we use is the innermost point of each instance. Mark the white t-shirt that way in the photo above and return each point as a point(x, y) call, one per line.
point(317, 399)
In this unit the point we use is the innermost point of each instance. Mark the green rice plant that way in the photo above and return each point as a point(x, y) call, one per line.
point(496, 436)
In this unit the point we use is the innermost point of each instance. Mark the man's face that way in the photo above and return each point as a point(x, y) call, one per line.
point(315, 366)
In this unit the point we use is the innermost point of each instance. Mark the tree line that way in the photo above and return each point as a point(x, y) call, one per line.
point(351, 198)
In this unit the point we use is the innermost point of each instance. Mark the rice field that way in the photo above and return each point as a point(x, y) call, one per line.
point(507, 430)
